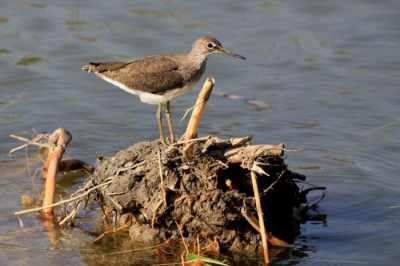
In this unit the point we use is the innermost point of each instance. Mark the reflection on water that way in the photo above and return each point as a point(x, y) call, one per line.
point(327, 71)
point(29, 60)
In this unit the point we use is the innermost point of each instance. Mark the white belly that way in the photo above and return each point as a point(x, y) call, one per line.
point(151, 98)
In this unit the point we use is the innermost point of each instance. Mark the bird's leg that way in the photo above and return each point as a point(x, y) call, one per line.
point(171, 129)
point(160, 127)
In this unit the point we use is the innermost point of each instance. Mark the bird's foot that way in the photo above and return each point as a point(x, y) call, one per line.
point(171, 140)
point(164, 141)
point(167, 141)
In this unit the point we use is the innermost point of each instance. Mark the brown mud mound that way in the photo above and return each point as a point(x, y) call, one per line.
point(167, 195)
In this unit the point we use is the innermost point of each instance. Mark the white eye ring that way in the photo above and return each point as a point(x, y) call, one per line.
point(210, 45)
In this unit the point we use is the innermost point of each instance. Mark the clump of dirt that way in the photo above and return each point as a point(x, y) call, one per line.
point(205, 192)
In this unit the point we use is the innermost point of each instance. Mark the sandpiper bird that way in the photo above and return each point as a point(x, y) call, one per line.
point(157, 79)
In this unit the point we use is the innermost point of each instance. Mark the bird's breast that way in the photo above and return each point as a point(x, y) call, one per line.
point(155, 99)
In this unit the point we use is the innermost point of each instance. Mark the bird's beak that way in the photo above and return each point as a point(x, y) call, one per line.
point(226, 51)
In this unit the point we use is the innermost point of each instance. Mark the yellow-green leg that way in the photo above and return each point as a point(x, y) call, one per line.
point(160, 126)
point(171, 129)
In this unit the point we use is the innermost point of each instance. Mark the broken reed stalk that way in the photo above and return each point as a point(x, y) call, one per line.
point(61, 138)
point(198, 110)
point(260, 216)
point(236, 155)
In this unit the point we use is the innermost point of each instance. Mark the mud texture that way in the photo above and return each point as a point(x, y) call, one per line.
point(201, 196)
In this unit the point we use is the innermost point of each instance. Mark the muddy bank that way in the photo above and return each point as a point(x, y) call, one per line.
point(210, 194)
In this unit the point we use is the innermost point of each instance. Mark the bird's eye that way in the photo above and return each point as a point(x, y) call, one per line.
point(210, 45)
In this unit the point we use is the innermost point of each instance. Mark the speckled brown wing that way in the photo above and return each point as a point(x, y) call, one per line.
point(154, 74)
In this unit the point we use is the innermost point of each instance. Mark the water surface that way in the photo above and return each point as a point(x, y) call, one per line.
point(328, 70)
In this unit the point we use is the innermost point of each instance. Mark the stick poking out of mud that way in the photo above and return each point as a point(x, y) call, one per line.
point(191, 131)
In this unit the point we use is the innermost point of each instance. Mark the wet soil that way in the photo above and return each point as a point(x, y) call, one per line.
point(204, 195)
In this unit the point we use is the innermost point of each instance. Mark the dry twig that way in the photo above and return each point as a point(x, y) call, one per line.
point(260, 216)
point(253, 221)
point(30, 142)
point(64, 201)
point(13, 101)
point(161, 177)
point(183, 240)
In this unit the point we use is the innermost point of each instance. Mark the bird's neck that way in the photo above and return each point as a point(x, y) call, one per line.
point(195, 65)
point(196, 61)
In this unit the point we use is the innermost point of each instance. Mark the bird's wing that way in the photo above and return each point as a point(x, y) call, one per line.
point(156, 74)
